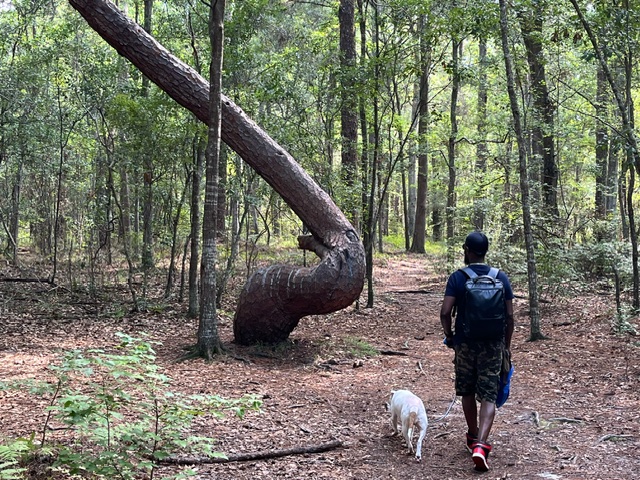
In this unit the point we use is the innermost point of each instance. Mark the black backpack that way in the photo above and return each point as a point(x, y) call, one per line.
point(485, 313)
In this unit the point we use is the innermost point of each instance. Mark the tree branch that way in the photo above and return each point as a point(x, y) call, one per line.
point(245, 457)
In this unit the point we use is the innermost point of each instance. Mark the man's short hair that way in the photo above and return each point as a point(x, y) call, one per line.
point(477, 242)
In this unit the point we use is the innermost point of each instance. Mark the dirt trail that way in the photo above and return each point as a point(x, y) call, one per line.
point(573, 413)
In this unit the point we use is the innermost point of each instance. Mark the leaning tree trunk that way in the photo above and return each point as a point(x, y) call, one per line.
point(274, 299)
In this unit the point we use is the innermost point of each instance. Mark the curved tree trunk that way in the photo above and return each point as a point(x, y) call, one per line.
point(273, 299)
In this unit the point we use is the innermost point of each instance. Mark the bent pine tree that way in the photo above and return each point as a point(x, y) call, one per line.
point(274, 299)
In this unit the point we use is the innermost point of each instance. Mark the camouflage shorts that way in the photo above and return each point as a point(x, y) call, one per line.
point(477, 367)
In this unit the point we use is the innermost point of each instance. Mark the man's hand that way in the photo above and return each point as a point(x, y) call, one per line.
point(448, 340)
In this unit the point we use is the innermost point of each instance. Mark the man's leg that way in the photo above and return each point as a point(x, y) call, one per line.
point(489, 362)
point(470, 410)
point(481, 449)
point(487, 414)
point(465, 370)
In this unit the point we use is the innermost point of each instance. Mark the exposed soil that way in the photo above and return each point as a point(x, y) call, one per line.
point(573, 413)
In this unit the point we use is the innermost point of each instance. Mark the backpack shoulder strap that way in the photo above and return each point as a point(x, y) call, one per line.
point(493, 272)
point(469, 272)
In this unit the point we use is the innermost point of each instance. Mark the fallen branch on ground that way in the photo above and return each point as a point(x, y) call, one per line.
point(245, 457)
point(614, 437)
point(565, 420)
point(392, 352)
point(425, 292)
point(26, 280)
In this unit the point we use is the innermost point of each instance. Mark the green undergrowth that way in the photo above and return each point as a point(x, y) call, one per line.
point(119, 416)
point(357, 347)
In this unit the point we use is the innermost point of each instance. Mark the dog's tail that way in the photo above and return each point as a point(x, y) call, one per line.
point(387, 405)
point(413, 417)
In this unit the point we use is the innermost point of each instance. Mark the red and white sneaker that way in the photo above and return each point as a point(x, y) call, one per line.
point(480, 453)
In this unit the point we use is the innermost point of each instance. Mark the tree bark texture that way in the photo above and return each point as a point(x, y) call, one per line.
point(602, 145)
point(422, 184)
point(482, 151)
point(148, 176)
point(273, 299)
point(365, 152)
point(543, 141)
point(249, 457)
point(208, 337)
point(453, 139)
point(349, 108)
point(199, 146)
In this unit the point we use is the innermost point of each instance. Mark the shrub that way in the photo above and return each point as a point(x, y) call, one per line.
point(121, 414)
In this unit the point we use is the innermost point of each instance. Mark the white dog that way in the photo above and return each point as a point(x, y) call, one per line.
point(408, 409)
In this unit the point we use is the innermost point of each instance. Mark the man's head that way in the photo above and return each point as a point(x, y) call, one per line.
point(475, 247)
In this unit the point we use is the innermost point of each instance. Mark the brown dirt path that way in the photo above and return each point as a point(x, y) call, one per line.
point(573, 413)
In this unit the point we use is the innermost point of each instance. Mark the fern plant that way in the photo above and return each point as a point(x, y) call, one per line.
point(11, 455)
point(14, 454)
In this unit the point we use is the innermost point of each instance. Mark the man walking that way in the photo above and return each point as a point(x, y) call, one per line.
point(478, 360)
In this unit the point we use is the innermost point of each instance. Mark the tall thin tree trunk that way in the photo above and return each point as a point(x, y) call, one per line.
point(534, 308)
point(633, 235)
point(456, 47)
point(611, 181)
point(482, 152)
point(208, 338)
point(174, 237)
point(411, 198)
point(56, 222)
point(199, 146)
point(622, 199)
point(542, 124)
point(62, 152)
point(14, 220)
point(349, 106)
point(422, 184)
point(602, 144)
point(147, 189)
point(365, 170)
point(222, 192)
point(628, 70)
point(375, 162)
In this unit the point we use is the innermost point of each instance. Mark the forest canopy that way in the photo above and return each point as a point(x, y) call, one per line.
point(398, 110)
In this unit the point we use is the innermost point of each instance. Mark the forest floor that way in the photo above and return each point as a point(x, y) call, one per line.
point(573, 413)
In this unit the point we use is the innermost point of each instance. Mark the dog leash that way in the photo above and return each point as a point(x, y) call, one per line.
point(446, 414)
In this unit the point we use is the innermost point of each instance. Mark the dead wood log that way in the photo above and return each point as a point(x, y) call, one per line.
point(26, 280)
point(273, 299)
point(392, 352)
point(247, 457)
